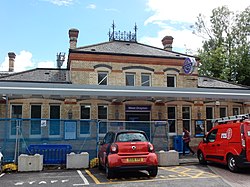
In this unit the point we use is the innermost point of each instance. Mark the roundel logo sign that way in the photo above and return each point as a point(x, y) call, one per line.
point(229, 133)
point(189, 64)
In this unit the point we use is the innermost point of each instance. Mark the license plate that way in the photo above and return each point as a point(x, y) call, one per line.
point(135, 159)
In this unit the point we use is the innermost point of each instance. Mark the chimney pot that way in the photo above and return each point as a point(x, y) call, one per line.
point(12, 57)
point(73, 36)
point(167, 42)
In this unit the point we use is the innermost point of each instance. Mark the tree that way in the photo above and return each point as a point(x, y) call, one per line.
point(225, 53)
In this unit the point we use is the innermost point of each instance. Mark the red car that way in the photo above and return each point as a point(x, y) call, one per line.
point(125, 151)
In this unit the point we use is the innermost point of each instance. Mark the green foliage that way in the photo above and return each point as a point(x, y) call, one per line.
point(225, 53)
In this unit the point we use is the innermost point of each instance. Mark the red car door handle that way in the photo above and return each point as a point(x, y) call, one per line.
point(218, 144)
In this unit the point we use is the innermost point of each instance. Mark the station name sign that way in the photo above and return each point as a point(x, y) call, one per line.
point(138, 108)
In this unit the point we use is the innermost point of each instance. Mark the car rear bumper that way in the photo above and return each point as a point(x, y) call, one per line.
point(117, 162)
point(133, 168)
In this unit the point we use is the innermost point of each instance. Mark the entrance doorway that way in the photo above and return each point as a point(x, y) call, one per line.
point(138, 120)
point(137, 116)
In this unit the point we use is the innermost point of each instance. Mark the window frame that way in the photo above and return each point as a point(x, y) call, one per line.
point(130, 74)
point(222, 107)
point(105, 78)
point(149, 81)
point(103, 120)
point(174, 80)
point(56, 121)
point(233, 109)
point(13, 122)
point(84, 121)
point(36, 121)
point(208, 120)
point(184, 120)
point(172, 119)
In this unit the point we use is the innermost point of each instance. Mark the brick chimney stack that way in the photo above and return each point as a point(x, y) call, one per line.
point(12, 57)
point(167, 42)
point(73, 35)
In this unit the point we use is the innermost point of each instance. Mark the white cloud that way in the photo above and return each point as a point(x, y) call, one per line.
point(61, 2)
point(179, 12)
point(91, 6)
point(23, 62)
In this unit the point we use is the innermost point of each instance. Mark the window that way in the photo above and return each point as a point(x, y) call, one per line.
point(236, 110)
point(54, 127)
point(209, 117)
point(223, 112)
point(102, 78)
point(35, 128)
point(171, 114)
point(186, 118)
point(16, 113)
point(85, 120)
point(212, 136)
point(130, 79)
point(171, 81)
point(131, 137)
point(145, 79)
point(103, 116)
point(109, 138)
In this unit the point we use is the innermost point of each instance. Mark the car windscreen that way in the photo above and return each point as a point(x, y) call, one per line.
point(131, 137)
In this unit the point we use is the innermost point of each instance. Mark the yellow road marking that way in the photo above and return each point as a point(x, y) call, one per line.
point(192, 173)
point(93, 177)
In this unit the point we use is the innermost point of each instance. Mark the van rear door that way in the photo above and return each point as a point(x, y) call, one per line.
point(247, 136)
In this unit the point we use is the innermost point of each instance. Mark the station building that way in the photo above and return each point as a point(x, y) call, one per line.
point(122, 83)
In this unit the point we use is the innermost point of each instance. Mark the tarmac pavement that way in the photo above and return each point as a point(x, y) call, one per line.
point(188, 159)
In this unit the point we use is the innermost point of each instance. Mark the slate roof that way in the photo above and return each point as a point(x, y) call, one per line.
point(208, 82)
point(129, 48)
point(47, 75)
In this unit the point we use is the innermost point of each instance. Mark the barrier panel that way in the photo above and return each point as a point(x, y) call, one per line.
point(178, 144)
point(52, 154)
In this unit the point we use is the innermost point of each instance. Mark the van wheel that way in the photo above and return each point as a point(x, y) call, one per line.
point(231, 163)
point(201, 158)
point(153, 172)
point(109, 173)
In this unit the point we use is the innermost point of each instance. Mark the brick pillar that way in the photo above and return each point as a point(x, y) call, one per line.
point(167, 42)
point(73, 36)
point(12, 57)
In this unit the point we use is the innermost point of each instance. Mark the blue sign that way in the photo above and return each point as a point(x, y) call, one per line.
point(188, 66)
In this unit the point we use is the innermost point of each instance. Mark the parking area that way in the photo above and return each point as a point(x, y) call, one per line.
point(94, 177)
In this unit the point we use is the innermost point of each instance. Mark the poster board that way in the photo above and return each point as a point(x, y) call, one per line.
point(70, 130)
point(199, 128)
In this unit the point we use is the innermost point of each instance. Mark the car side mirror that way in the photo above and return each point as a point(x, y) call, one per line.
point(101, 142)
point(205, 139)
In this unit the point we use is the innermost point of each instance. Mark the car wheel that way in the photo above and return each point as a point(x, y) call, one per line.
point(153, 172)
point(201, 158)
point(109, 173)
point(100, 167)
point(231, 163)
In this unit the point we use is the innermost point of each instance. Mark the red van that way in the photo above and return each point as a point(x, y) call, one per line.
point(227, 143)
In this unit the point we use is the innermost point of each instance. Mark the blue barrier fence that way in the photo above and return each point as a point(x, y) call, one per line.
point(52, 154)
point(55, 138)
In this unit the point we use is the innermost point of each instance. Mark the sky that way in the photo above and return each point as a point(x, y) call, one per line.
point(36, 30)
